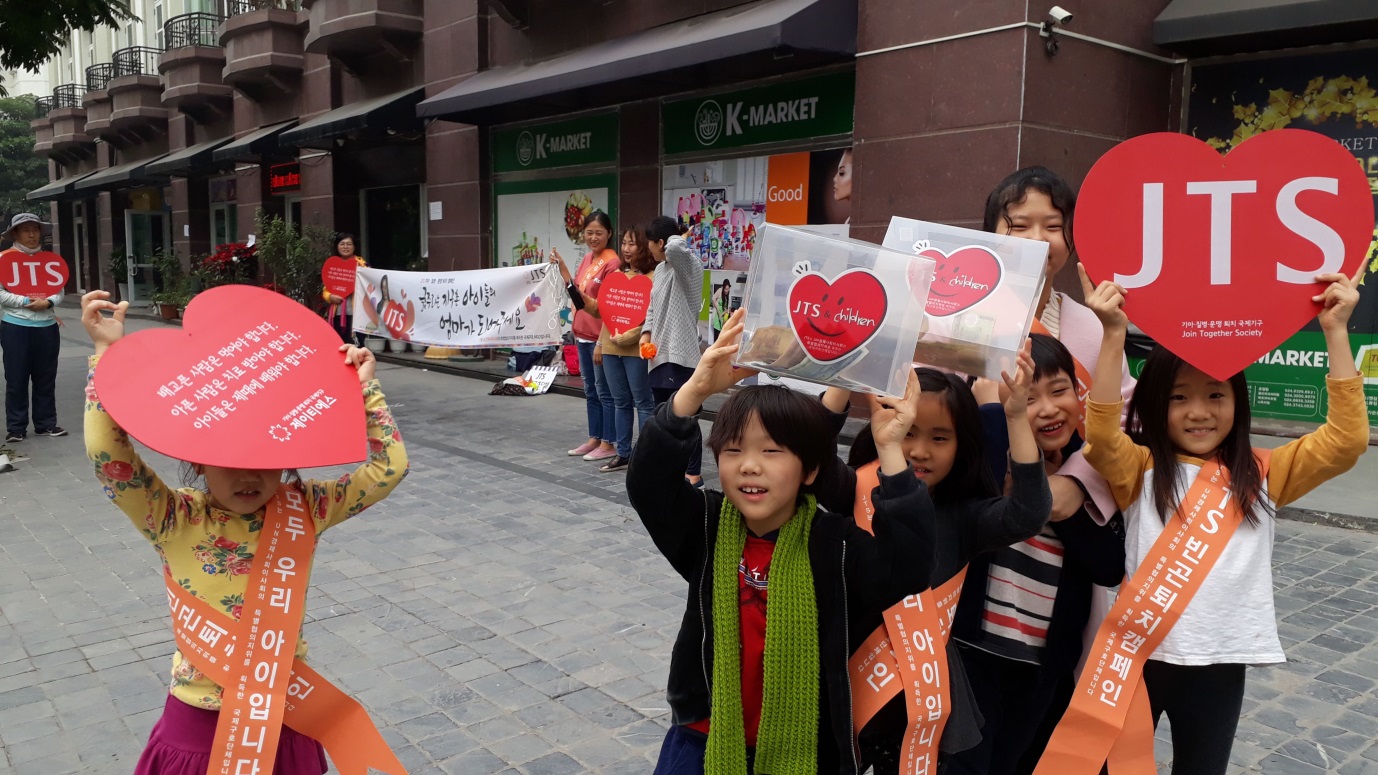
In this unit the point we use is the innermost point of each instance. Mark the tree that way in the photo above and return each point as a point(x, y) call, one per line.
point(21, 171)
point(31, 32)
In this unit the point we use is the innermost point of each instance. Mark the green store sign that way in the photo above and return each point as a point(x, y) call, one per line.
point(793, 110)
point(1288, 383)
point(569, 143)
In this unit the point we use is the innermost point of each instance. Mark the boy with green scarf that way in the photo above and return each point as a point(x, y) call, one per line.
point(785, 590)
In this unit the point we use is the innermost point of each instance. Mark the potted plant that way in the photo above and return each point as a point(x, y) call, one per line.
point(173, 281)
point(168, 303)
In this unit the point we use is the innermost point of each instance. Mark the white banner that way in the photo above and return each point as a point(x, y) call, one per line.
point(506, 307)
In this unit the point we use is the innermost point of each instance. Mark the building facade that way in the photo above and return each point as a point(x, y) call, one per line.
point(456, 134)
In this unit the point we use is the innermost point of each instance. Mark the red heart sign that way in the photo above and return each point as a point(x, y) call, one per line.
point(961, 278)
point(338, 275)
point(38, 276)
point(833, 319)
point(1218, 254)
point(622, 301)
point(252, 380)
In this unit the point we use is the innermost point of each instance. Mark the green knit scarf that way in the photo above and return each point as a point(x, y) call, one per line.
point(787, 741)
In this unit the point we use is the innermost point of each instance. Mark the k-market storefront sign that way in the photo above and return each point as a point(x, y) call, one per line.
point(805, 109)
point(567, 143)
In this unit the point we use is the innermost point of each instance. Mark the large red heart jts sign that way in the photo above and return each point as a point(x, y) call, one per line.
point(252, 380)
point(36, 276)
point(1218, 254)
point(623, 300)
point(834, 319)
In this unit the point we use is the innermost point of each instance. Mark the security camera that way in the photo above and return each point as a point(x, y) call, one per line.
point(1059, 15)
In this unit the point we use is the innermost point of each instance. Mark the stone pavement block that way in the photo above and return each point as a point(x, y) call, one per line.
point(553, 764)
point(520, 749)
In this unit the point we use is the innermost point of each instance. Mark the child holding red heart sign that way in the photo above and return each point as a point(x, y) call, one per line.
point(781, 591)
point(210, 541)
point(1198, 504)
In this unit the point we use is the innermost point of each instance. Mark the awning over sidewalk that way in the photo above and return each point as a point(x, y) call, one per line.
point(1225, 26)
point(392, 111)
point(188, 161)
point(769, 37)
point(58, 189)
point(127, 175)
point(254, 145)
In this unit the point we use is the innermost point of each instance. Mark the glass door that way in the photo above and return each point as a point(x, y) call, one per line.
point(224, 224)
point(293, 208)
point(393, 227)
point(145, 231)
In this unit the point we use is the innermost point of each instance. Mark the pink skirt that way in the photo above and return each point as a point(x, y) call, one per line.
point(180, 744)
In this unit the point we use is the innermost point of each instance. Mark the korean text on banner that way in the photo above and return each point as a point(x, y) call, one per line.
point(504, 307)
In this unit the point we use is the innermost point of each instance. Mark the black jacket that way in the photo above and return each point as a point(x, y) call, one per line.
point(963, 530)
point(856, 575)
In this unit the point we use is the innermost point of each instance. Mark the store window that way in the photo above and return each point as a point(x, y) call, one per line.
point(736, 159)
point(548, 178)
point(224, 211)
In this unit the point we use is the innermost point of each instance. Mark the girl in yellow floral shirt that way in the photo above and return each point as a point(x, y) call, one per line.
point(207, 538)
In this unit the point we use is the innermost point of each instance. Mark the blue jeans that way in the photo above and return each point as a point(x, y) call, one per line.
point(630, 387)
point(596, 395)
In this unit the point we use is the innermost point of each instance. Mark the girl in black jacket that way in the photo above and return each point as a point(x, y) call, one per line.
point(778, 700)
point(946, 454)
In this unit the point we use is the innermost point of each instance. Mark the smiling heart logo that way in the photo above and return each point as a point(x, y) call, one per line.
point(623, 300)
point(831, 320)
point(1219, 254)
point(961, 279)
point(252, 380)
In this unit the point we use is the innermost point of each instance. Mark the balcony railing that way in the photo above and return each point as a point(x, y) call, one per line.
point(236, 7)
point(44, 105)
point(136, 60)
point(99, 76)
point(191, 29)
point(68, 95)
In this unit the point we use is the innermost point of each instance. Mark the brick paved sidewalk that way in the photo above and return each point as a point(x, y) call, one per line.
point(505, 611)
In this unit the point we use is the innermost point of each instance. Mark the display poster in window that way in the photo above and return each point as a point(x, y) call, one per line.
point(1334, 94)
point(724, 204)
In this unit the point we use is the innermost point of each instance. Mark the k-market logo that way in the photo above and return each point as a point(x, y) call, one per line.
point(526, 148)
point(708, 122)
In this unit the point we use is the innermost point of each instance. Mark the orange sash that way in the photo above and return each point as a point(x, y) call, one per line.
point(922, 625)
point(1083, 377)
point(253, 658)
point(1109, 718)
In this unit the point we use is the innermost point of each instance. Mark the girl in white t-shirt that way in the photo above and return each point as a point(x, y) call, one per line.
point(1184, 419)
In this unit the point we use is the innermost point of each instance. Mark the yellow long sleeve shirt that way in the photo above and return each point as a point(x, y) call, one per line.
point(1231, 619)
point(208, 551)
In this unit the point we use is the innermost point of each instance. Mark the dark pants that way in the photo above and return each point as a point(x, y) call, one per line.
point(683, 752)
point(1203, 703)
point(1013, 697)
point(665, 380)
point(30, 356)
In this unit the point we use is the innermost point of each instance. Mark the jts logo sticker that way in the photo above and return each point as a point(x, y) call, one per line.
point(961, 279)
point(832, 320)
